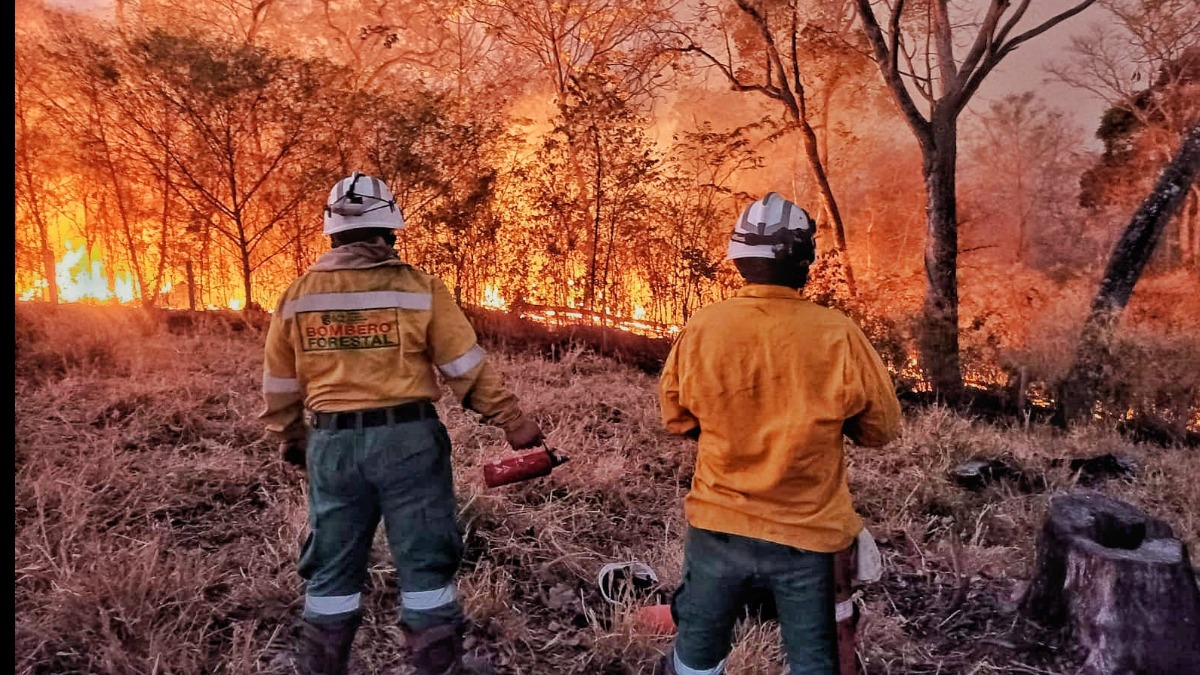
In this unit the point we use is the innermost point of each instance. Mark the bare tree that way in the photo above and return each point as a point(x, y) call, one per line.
point(568, 38)
point(252, 142)
point(239, 20)
point(1116, 61)
point(774, 63)
point(114, 159)
point(932, 85)
point(1022, 154)
point(590, 177)
point(1145, 64)
point(379, 41)
point(33, 173)
point(693, 212)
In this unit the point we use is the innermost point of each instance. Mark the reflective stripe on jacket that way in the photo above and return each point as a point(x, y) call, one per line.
point(773, 381)
point(350, 339)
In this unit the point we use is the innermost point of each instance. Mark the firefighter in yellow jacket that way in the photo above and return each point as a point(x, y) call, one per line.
point(355, 342)
point(768, 383)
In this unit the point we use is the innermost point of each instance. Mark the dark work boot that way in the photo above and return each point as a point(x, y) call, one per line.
point(325, 647)
point(438, 650)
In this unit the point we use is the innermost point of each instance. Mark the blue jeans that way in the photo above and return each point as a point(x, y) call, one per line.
point(400, 473)
point(719, 573)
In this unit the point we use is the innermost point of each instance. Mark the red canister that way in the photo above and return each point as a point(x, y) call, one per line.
point(522, 466)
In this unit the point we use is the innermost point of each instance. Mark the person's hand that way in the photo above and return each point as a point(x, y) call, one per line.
point(527, 435)
point(293, 452)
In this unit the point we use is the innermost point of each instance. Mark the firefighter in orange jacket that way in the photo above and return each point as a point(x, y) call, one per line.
point(769, 383)
point(355, 341)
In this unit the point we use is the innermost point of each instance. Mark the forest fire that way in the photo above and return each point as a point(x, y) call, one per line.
point(81, 278)
point(590, 213)
point(84, 279)
point(585, 178)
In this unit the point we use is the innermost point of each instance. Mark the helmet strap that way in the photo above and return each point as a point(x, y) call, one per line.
point(350, 204)
point(789, 244)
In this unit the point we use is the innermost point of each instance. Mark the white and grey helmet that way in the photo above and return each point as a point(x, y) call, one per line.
point(360, 201)
point(772, 227)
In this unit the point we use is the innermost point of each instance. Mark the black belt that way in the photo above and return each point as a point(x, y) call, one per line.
point(375, 417)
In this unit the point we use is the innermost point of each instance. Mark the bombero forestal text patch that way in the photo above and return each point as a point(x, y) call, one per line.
point(348, 329)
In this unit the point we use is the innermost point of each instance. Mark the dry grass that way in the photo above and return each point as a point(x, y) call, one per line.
point(156, 532)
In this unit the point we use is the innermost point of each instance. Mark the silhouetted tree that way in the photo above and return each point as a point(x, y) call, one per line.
point(1138, 134)
point(1023, 155)
point(35, 176)
point(693, 211)
point(250, 120)
point(932, 86)
point(1125, 267)
point(775, 53)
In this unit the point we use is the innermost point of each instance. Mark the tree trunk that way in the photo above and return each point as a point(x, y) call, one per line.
point(50, 270)
point(795, 100)
point(1190, 229)
point(828, 202)
point(597, 189)
point(608, 252)
point(1121, 583)
point(938, 339)
point(1129, 258)
point(246, 272)
point(45, 247)
point(191, 286)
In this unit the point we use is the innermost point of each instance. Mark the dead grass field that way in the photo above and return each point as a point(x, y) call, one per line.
point(157, 533)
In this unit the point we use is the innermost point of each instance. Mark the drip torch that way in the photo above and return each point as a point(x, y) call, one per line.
point(522, 466)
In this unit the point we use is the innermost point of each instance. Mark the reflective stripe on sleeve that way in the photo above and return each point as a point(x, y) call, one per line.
point(327, 302)
point(463, 364)
point(331, 604)
point(280, 385)
point(426, 600)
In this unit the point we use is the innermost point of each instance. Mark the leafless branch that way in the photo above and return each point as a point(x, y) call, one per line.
point(727, 70)
point(885, 49)
point(997, 53)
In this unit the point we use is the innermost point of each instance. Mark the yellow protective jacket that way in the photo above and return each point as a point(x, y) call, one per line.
point(772, 382)
point(361, 329)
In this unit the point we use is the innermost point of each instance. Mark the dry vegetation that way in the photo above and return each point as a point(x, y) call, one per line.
point(157, 533)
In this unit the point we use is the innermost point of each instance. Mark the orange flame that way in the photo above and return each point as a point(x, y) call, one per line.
point(79, 281)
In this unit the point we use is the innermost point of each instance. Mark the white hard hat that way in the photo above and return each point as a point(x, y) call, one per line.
point(768, 227)
point(359, 201)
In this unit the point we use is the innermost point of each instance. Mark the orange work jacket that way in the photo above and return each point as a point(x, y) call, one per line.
point(773, 382)
point(351, 339)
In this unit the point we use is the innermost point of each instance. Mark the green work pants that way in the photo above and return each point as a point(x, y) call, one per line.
point(399, 473)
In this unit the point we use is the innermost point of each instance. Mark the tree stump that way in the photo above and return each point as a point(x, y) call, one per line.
point(1121, 583)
